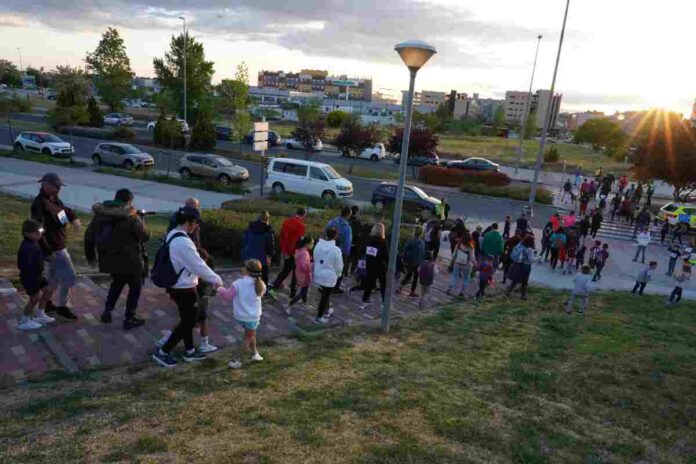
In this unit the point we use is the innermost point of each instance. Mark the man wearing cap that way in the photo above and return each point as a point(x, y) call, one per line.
point(115, 236)
point(50, 212)
point(190, 267)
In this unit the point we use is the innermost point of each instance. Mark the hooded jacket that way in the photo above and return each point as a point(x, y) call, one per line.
point(53, 216)
point(115, 235)
point(259, 242)
point(345, 233)
point(292, 230)
point(328, 263)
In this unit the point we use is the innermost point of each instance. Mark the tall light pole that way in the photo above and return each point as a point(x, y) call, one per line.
point(414, 54)
point(526, 107)
point(21, 66)
point(547, 119)
point(185, 40)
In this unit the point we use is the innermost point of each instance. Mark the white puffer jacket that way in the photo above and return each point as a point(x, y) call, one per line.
point(328, 263)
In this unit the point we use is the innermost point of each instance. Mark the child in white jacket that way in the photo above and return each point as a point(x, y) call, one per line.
point(328, 266)
point(245, 294)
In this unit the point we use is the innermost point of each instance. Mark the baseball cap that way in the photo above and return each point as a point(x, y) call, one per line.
point(52, 178)
point(191, 212)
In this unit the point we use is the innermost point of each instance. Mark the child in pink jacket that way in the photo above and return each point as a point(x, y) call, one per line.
point(303, 270)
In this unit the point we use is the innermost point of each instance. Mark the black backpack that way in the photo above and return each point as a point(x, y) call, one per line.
point(163, 274)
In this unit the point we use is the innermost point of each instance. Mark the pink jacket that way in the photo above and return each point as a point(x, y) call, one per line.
point(303, 268)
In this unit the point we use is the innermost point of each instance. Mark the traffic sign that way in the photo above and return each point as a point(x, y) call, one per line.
point(260, 146)
point(260, 127)
point(348, 83)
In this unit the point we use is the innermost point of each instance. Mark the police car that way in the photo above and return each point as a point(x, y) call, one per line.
point(682, 214)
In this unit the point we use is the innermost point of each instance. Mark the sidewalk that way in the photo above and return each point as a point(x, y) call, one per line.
point(84, 187)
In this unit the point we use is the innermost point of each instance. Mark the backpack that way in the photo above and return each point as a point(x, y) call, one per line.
point(517, 253)
point(163, 274)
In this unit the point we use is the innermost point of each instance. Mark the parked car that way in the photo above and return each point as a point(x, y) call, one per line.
point(118, 119)
point(273, 139)
point(307, 177)
point(375, 153)
point(212, 167)
point(419, 161)
point(415, 199)
point(122, 154)
point(294, 144)
point(223, 133)
point(474, 164)
point(681, 214)
point(42, 142)
point(184, 125)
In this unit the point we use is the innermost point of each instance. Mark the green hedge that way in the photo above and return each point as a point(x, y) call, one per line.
point(516, 192)
point(210, 185)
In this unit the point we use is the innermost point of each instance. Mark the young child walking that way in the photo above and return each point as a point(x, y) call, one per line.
point(680, 278)
point(245, 294)
point(581, 290)
point(426, 275)
point(303, 271)
point(485, 275)
point(30, 260)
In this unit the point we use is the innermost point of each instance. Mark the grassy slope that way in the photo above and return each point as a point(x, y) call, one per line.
point(499, 382)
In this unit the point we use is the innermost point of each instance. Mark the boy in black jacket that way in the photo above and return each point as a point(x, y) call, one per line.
point(30, 260)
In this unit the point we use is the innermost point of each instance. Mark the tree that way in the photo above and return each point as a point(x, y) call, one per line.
point(355, 137)
point(233, 99)
point(423, 142)
point(203, 135)
point(336, 118)
point(551, 155)
point(309, 113)
point(96, 119)
point(72, 85)
point(199, 72)
point(111, 67)
point(309, 133)
point(498, 119)
point(166, 103)
point(168, 133)
point(667, 151)
point(531, 126)
point(9, 74)
point(602, 133)
point(36, 73)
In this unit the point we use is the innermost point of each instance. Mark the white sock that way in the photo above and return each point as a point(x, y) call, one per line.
point(204, 340)
point(164, 339)
point(39, 313)
point(191, 351)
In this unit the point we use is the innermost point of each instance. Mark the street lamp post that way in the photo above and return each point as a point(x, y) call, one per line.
point(183, 18)
point(526, 107)
point(547, 119)
point(21, 66)
point(414, 54)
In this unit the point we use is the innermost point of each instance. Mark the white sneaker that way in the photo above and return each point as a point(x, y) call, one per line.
point(257, 357)
point(329, 313)
point(286, 308)
point(42, 318)
point(207, 348)
point(320, 320)
point(364, 306)
point(29, 324)
point(234, 364)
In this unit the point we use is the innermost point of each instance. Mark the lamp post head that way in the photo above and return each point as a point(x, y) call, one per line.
point(539, 37)
point(415, 53)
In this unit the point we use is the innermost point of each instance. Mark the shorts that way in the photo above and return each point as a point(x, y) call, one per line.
point(35, 286)
point(60, 269)
point(249, 325)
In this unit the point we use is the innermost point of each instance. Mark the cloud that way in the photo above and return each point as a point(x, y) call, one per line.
point(360, 29)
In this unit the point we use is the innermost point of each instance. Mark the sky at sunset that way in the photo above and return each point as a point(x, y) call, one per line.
point(618, 54)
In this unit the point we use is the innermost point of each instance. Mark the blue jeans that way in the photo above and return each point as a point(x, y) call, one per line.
point(461, 272)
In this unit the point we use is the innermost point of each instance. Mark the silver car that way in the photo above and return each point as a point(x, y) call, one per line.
point(121, 154)
point(212, 167)
point(118, 119)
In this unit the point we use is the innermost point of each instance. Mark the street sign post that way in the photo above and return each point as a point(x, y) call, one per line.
point(261, 144)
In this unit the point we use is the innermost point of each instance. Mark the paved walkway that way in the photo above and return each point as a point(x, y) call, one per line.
point(84, 187)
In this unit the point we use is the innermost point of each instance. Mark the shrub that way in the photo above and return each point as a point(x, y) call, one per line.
point(68, 116)
point(84, 131)
point(96, 119)
point(335, 118)
point(515, 192)
point(551, 155)
point(167, 133)
point(308, 201)
point(436, 175)
point(203, 135)
point(126, 133)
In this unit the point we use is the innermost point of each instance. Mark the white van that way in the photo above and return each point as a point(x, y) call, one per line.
point(308, 178)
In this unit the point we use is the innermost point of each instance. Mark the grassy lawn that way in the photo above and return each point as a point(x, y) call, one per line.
point(41, 158)
point(495, 383)
point(16, 210)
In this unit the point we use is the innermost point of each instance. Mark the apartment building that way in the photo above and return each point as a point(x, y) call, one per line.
point(542, 103)
point(425, 101)
point(318, 83)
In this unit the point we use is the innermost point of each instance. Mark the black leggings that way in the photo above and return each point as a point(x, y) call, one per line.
point(411, 273)
point(324, 300)
point(186, 300)
point(372, 278)
point(302, 296)
point(554, 257)
point(482, 288)
point(639, 287)
point(676, 293)
point(135, 286)
point(288, 268)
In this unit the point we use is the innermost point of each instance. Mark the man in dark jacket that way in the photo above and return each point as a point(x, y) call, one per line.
point(53, 215)
point(116, 235)
point(596, 222)
point(259, 243)
point(642, 221)
point(522, 225)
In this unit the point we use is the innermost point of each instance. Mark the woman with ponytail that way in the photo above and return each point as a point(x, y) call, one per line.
point(245, 294)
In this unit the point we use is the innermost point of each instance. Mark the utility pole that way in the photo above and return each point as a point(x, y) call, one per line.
point(547, 119)
point(183, 18)
point(527, 104)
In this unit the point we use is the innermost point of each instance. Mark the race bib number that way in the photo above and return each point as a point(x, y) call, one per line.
point(371, 251)
point(362, 264)
point(62, 217)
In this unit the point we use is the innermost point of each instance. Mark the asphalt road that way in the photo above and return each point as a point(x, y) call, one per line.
point(472, 206)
